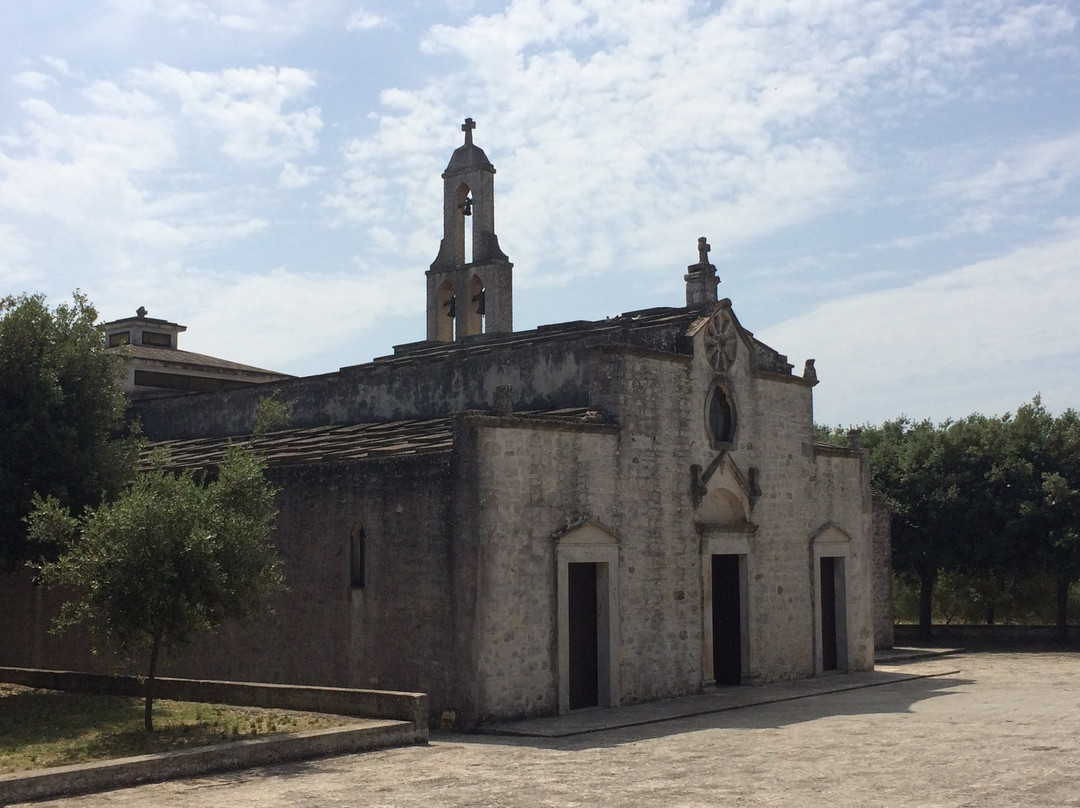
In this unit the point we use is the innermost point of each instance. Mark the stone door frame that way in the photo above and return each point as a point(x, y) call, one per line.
point(831, 542)
point(718, 544)
point(590, 544)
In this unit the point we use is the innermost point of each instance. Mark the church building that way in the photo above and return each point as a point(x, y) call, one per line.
point(527, 523)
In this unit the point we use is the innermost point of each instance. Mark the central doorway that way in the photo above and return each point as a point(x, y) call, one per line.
point(584, 636)
point(726, 620)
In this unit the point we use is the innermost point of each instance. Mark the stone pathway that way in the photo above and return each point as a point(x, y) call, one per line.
point(722, 699)
point(986, 729)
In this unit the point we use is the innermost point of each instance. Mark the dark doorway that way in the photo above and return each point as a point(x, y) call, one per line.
point(584, 670)
point(726, 620)
point(828, 614)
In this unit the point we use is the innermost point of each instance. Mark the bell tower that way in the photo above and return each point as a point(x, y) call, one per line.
point(470, 283)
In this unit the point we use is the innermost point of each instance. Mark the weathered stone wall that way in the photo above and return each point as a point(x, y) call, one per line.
point(651, 512)
point(800, 493)
point(545, 369)
point(538, 478)
point(381, 391)
point(841, 496)
point(461, 594)
point(774, 437)
point(394, 633)
point(26, 614)
point(534, 479)
point(392, 705)
point(635, 482)
point(389, 634)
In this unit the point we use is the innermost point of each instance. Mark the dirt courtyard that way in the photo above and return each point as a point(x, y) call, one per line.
point(1002, 730)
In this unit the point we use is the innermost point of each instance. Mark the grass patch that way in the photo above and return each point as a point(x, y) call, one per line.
point(42, 728)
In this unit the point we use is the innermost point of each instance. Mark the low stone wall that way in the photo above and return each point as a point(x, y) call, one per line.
point(387, 704)
point(402, 718)
point(106, 775)
point(1006, 634)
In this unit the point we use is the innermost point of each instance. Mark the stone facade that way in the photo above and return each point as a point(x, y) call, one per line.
point(522, 523)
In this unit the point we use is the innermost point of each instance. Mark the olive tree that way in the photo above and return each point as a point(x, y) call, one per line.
point(174, 555)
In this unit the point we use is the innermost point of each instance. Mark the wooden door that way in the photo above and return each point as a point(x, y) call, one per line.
point(584, 659)
point(726, 620)
point(828, 614)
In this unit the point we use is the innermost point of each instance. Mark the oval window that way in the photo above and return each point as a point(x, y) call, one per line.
point(721, 417)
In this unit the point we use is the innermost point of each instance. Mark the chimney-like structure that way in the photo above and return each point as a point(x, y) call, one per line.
point(701, 280)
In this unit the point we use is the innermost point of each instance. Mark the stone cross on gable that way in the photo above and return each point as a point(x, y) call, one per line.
point(703, 248)
point(701, 278)
point(467, 128)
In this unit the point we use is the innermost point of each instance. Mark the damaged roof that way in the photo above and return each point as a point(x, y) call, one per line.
point(336, 443)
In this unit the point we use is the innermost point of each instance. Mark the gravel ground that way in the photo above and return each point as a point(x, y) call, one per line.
point(1003, 731)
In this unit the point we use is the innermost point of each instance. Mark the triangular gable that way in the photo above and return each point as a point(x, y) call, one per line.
point(719, 328)
point(830, 534)
point(585, 533)
point(720, 338)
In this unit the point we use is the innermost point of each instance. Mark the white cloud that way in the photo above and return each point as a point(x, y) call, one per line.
point(623, 130)
point(120, 171)
point(986, 336)
point(784, 130)
point(59, 66)
point(294, 176)
point(363, 20)
point(34, 81)
point(1025, 178)
point(246, 106)
point(16, 253)
point(82, 169)
point(247, 16)
point(271, 320)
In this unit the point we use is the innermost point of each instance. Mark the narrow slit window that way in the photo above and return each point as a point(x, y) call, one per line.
point(358, 557)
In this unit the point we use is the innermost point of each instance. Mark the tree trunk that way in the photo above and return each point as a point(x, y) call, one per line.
point(1063, 583)
point(148, 721)
point(927, 577)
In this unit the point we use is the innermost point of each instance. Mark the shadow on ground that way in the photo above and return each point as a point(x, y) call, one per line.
point(889, 697)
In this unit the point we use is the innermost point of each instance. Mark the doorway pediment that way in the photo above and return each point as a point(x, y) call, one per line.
point(726, 497)
point(586, 533)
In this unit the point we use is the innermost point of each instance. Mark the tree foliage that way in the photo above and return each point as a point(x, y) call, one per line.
point(61, 414)
point(171, 557)
point(909, 469)
point(1046, 453)
point(272, 415)
point(989, 502)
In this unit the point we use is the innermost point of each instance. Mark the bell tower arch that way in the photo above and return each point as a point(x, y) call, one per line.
point(481, 278)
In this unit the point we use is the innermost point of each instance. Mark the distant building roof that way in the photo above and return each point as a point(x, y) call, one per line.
point(156, 366)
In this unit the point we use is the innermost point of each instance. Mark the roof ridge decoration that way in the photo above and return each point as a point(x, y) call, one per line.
point(701, 279)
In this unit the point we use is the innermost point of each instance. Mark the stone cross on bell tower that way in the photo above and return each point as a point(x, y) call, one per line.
point(470, 283)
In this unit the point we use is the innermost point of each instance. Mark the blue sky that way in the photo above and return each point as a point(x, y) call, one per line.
point(889, 186)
